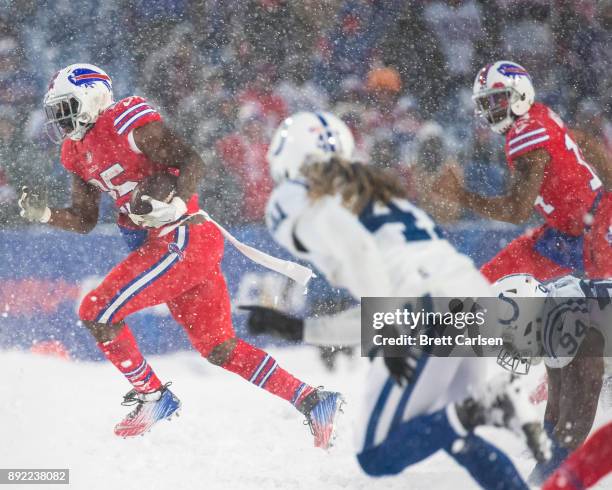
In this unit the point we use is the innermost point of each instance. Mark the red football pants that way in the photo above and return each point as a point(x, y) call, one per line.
point(182, 270)
point(520, 255)
point(598, 242)
point(585, 466)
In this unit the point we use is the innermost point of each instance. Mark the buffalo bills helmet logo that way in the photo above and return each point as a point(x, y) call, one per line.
point(87, 78)
point(510, 70)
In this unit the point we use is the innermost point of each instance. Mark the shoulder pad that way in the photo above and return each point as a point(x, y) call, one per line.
point(130, 113)
point(68, 155)
point(565, 325)
point(285, 205)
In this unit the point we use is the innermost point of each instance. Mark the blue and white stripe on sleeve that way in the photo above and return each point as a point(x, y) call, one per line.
point(526, 140)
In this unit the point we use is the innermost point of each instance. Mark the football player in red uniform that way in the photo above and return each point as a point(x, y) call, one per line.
point(110, 147)
point(585, 466)
point(549, 173)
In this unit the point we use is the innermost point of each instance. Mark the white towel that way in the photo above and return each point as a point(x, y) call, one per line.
point(295, 271)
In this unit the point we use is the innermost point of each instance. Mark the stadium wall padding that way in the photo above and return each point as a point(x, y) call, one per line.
point(44, 273)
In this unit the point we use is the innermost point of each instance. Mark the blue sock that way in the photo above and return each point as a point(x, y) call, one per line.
point(488, 465)
point(408, 443)
point(416, 439)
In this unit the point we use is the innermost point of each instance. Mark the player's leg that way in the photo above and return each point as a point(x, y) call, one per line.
point(520, 256)
point(144, 278)
point(401, 426)
point(486, 463)
point(147, 277)
point(598, 242)
point(205, 313)
point(585, 466)
point(389, 442)
point(407, 425)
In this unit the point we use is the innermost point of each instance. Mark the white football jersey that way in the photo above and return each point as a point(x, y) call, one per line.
point(388, 250)
point(569, 314)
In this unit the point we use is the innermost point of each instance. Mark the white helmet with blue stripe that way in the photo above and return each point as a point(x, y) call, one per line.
point(519, 313)
point(306, 138)
point(76, 96)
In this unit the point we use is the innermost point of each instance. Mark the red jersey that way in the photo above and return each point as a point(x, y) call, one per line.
point(107, 156)
point(570, 185)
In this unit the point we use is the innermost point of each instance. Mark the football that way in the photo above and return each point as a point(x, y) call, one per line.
point(159, 186)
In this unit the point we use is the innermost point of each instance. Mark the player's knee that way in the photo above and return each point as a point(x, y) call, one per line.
point(221, 352)
point(373, 465)
point(103, 332)
point(89, 308)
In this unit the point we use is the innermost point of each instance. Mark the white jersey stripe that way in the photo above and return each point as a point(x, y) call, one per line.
point(526, 135)
point(133, 118)
point(120, 118)
point(258, 370)
point(267, 376)
point(147, 278)
point(528, 143)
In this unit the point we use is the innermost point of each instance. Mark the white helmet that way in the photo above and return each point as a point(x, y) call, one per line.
point(305, 138)
point(503, 91)
point(76, 96)
point(519, 312)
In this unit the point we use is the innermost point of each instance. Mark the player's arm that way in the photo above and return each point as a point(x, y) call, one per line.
point(332, 230)
point(343, 328)
point(162, 145)
point(581, 381)
point(595, 152)
point(573, 393)
point(551, 415)
point(517, 205)
point(80, 217)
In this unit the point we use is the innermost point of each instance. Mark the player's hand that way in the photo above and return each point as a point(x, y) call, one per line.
point(401, 369)
point(400, 364)
point(32, 207)
point(263, 320)
point(449, 185)
point(161, 214)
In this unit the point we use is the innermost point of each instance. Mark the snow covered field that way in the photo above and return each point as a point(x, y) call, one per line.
point(230, 435)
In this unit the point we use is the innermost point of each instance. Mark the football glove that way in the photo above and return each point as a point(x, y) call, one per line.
point(401, 369)
point(161, 214)
point(401, 364)
point(263, 320)
point(32, 207)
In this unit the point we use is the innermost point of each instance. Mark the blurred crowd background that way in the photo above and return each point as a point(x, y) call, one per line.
point(224, 73)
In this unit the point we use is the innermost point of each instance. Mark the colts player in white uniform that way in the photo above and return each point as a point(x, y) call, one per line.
point(565, 322)
point(353, 223)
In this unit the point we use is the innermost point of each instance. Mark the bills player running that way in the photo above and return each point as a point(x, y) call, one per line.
point(587, 465)
point(110, 147)
point(565, 322)
point(353, 222)
point(550, 174)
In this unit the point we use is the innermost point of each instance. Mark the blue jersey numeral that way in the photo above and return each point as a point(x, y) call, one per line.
point(417, 225)
point(276, 217)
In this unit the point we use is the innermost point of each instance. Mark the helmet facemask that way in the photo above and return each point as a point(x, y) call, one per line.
point(519, 352)
point(63, 118)
point(495, 105)
point(514, 361)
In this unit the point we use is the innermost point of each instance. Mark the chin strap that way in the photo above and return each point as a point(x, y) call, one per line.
point(293, 270)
